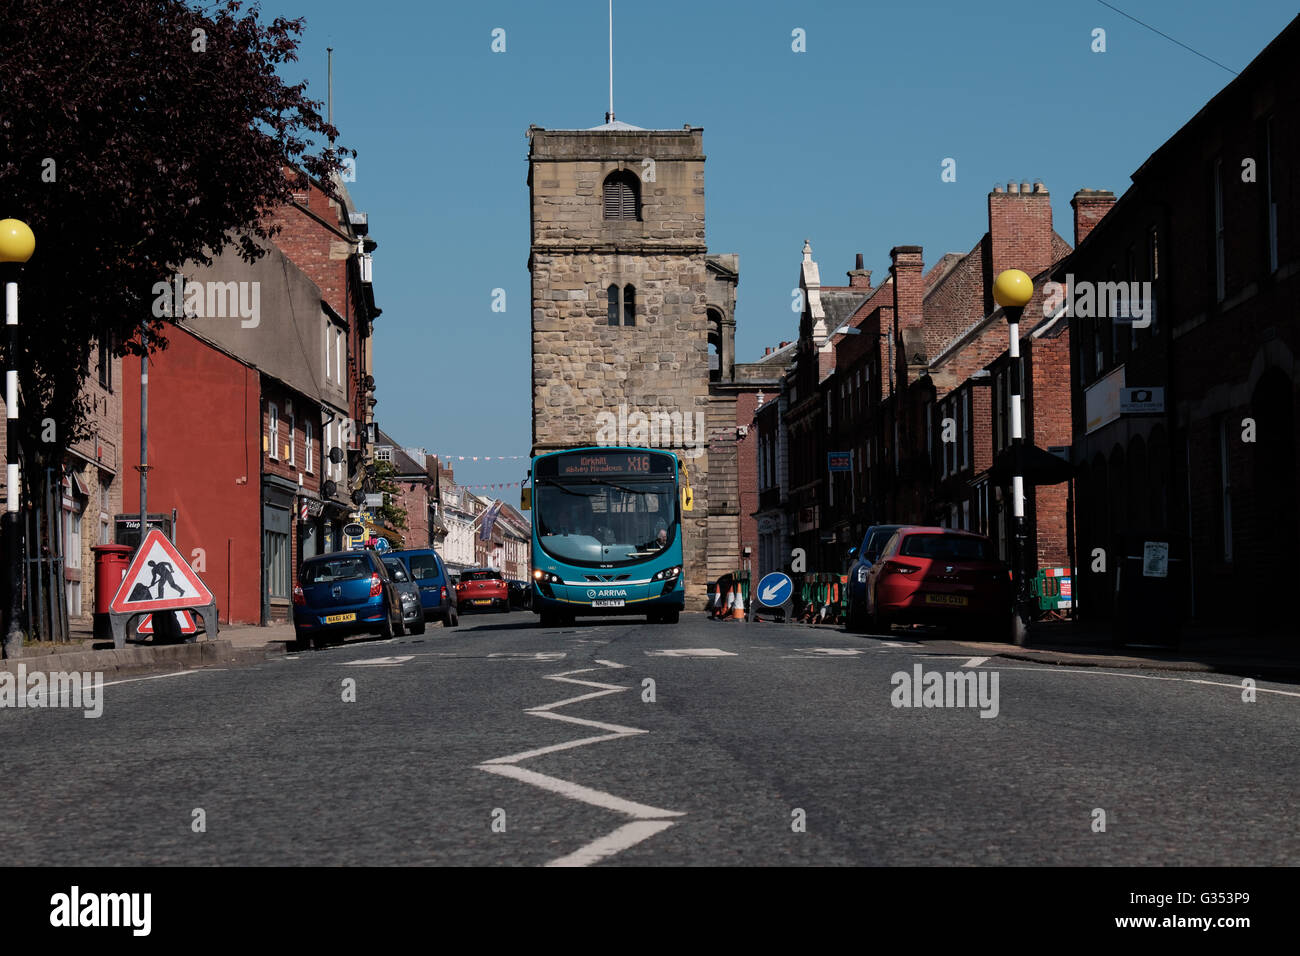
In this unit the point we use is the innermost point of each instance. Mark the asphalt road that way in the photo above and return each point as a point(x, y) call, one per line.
point(763, 744)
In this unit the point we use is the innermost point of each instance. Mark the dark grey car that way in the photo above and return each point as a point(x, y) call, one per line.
point(863, 557)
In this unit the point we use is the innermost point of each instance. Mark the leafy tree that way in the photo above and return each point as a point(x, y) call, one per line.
point(136, 135)
point(390, 514)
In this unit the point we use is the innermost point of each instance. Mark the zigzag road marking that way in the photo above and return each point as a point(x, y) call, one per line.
point(647, 820)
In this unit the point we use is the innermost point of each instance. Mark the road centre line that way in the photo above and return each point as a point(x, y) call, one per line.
point(629, 834)
point(647, 821)
point(576, 791)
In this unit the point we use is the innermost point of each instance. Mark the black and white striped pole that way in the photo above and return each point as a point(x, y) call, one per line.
point(1012, 290)
point(16, 246)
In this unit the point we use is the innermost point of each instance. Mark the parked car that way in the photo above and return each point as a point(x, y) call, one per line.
point(939, 576)
point(409, 593)
point(483, 588)
point(862, 558)
point(342, 593)
point(521, 594)
point(437, 590)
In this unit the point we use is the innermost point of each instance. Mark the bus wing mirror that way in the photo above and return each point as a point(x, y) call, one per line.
point(526, 499)
point(688, 499)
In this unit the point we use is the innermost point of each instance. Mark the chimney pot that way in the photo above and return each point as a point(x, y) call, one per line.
point(1025, 187)
point(859, 263)
point(1013, 188)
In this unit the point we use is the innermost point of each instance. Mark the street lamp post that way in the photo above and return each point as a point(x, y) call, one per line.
point(16, 246)
point(1012, 290)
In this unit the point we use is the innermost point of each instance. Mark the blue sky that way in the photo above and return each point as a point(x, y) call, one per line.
point(841, 144)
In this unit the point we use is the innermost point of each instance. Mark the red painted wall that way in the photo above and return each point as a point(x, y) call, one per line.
point(204, 455)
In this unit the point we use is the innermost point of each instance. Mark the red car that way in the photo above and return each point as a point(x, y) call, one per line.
point(940, 576)
point(482, 588)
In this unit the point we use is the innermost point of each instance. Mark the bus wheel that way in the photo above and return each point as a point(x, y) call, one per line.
point(670, 617)
point(653, 618)
point(549, 619)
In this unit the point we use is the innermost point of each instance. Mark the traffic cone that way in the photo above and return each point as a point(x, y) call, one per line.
point(716, 607)
point(738, 612)
point(731, 603)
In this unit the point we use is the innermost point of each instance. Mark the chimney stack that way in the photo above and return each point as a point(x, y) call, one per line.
point(907, 268)
point(859, 278)
point(1020, 228)
point(1090, 205)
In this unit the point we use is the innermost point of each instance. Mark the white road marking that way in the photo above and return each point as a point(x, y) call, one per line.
point(583, 722)
point(1091, 672)
point(66, 692)
point(132, 680)
point(975, 662)
point(900, 644)
point(378, 661)
point(576, 791)
point(648, 820)
point(690, 652)
point(629, 834)
point(836, 651)
point(537, 656)
point(529, 754)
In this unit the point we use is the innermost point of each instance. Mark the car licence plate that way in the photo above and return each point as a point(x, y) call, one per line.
point(482, 602)
point(608, 603)
point(951, 600)
point(339, 618)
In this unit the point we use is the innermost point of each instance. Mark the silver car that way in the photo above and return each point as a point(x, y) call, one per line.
point(408, 592)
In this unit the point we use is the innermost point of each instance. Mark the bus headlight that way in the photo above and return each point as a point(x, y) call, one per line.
point(667, 574)
point(546, 577)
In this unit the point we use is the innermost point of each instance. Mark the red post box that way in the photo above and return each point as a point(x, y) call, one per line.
point(111, 562)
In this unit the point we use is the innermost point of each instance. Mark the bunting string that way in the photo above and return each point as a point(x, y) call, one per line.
point(450, 458)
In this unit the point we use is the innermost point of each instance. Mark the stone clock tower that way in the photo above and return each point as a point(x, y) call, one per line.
point(621, 317)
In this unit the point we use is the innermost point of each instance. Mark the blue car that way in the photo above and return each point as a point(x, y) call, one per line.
point(342, 593)
point(864, 556)
point(437, 593)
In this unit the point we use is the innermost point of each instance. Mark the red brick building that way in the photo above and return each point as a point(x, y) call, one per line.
point(198, 391)
point(907, 383)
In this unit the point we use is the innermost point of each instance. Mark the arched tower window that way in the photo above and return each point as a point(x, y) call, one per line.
point(622, 196)
point(621, 303)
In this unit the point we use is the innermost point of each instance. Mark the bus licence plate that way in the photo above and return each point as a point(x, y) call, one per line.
point(619, 603)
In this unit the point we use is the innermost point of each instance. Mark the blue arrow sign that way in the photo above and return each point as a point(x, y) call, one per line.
point(774, 589)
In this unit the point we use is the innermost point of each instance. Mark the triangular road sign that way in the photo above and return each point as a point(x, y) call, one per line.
point(183, 618)
point(159, 579)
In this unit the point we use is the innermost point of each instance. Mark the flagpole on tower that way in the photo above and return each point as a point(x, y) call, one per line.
point(609, 117)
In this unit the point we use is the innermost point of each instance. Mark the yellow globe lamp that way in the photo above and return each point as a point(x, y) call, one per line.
point(17, 243)
point(1013, 289)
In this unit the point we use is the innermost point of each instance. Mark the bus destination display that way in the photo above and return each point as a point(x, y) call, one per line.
point(605, 464)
